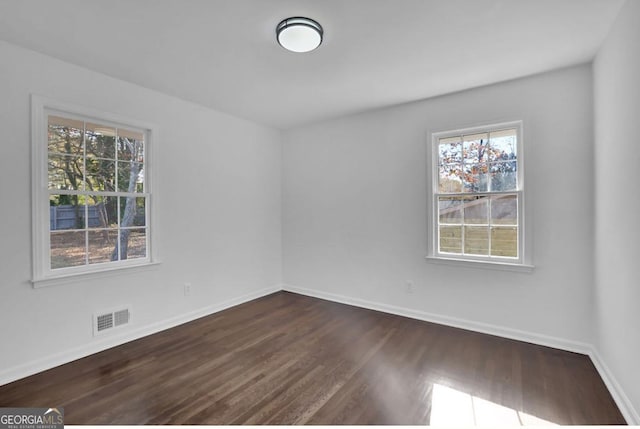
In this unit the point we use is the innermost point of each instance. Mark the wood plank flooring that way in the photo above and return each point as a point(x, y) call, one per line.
point(291, 359)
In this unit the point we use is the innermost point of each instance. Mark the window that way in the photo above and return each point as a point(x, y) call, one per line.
point(92, 199)
point(478, 194)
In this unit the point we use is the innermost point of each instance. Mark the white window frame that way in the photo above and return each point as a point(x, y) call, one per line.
point(42, 274)
point(523, 261)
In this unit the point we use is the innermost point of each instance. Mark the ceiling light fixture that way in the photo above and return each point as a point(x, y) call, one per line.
point(299, 34)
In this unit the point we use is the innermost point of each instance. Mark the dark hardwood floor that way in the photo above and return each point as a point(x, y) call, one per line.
point(291, 359)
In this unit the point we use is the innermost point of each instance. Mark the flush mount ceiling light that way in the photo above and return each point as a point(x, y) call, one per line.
point(299, 34)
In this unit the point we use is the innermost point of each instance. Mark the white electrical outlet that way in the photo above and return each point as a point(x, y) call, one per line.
point(187, 289)
point(409, 286)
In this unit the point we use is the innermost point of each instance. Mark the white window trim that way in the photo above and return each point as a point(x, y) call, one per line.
point(523, 263)
point(42, 275)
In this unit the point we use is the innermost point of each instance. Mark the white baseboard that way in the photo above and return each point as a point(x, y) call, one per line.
point(627, 409)
point(485, 328)
point(33, 367)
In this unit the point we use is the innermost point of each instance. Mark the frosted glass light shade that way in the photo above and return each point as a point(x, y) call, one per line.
point(299, 34)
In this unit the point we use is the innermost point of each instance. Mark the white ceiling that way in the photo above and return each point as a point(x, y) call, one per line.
point(223, 53)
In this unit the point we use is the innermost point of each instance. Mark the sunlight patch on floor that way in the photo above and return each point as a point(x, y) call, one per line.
point(450, 407)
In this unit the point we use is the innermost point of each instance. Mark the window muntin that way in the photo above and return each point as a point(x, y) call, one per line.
point(477, 196)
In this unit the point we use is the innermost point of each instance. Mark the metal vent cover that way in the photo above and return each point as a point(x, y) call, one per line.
point(104, 321)
point(121, 317)
point(109, 319)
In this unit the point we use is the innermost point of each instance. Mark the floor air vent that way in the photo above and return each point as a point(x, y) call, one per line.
point(107, 320)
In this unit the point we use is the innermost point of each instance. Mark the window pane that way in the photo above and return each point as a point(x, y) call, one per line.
point(474, 148)
point(451, 239)
point(504, 176)
point(450, 150)
point(65, 172)
point(503, 145)
point(101, 141)
point(103, 211)
point(504, 241)
point(130, 177)
point(65, 212)
point(102, 245)
point(450, 209)
point(132, 211)
point(65, 136)
point(101, 174)
point(130, 146)
point(476, 210)
point(475, 177)
point(67, 249)
point(134, 243)
point(476, 240)
point(450, 178)
point(504, 210)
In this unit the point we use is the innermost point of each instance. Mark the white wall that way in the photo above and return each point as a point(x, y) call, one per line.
point(355, 198)
point(617, 160)
point(219, 202)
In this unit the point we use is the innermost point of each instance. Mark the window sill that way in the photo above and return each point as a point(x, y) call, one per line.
point(487, 265)
point(106, 272)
